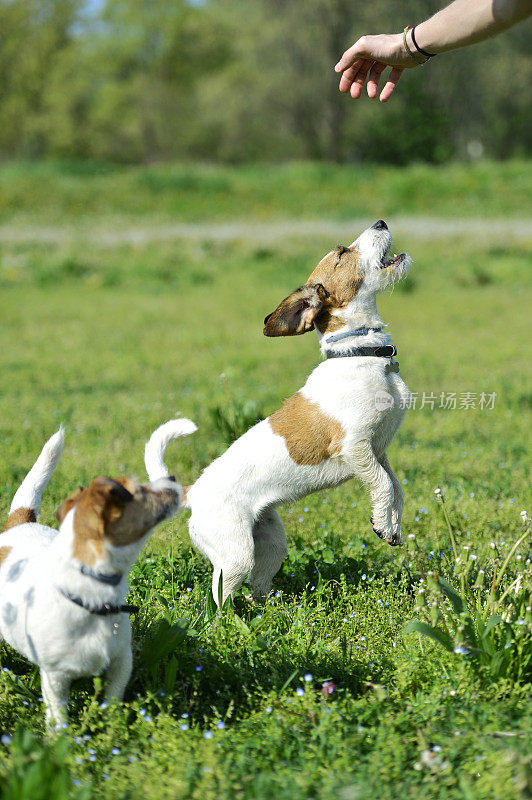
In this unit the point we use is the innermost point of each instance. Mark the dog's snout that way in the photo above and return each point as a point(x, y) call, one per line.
point(380, 225)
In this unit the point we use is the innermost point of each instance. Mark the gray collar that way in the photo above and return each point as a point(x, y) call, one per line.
point(347, 334)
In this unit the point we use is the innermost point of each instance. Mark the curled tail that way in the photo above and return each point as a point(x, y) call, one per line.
point(27, 499)
point(159, 441)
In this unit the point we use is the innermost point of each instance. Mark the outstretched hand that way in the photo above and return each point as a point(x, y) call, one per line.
point(368, 58)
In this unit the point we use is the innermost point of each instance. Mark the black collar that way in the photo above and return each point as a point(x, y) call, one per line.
point(111, 580)
point(105, 610)
point(386, 351)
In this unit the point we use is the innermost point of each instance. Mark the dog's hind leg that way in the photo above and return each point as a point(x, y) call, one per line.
point(270, 551)
point(398, 500)
point(225, 536)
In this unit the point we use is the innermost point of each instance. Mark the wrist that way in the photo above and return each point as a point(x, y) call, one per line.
point(425, 41)
point(411, 50)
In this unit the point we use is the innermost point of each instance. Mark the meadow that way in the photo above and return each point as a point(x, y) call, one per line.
point(133, 295)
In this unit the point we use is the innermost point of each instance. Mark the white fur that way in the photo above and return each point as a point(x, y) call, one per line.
point(63, 639)
point(159, 441)
point(28, 494)
point(234, 521)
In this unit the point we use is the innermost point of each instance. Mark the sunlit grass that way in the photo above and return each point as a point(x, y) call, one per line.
point(115, 338)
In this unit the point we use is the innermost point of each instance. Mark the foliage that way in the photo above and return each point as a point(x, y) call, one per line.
point(233, 418)
point(134, 81)
point(469, 623)
point(40, 770)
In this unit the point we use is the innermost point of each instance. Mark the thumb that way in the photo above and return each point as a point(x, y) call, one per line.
point(354, 53)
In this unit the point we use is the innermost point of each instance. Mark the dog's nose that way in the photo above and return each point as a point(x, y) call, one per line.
point(380, 225)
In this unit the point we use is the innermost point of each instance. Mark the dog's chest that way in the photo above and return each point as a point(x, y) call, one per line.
point(358, 393)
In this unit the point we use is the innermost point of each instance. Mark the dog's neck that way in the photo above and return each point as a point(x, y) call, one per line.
point(362, 327)
point(99, 575)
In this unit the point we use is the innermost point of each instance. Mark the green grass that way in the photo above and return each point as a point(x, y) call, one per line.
point(113, 338)
point(59, 192)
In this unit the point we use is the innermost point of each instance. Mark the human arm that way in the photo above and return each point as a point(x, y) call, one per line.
point(461, 23)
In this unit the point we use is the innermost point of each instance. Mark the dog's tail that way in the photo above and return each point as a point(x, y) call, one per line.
point(159, 441)
point(27, 499)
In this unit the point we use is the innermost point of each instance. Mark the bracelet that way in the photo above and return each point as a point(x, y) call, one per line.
point(413, 56)
point(418, 48)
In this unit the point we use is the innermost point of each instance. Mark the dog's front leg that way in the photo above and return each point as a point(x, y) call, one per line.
point(55, 689)
point(398, 500)
point(366, 466)
point(118, 674)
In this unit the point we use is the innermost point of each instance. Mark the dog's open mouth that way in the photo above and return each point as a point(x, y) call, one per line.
point(390, 262)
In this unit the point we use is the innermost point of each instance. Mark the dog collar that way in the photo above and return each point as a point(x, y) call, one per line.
point(110, 580)
point(347, 334)
point(105, 610)
point(386, 351)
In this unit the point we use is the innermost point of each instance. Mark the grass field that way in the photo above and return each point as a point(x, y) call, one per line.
point(113, 335)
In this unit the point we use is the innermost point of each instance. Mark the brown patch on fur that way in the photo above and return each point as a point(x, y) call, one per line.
point(328, 323)
point(331, 287)
point(4, 552)
point(311, 436)
point(339, 272)
point(20, 516)
point(62, 510)
point(118, 512)
point(296, 313)
point(96, 508)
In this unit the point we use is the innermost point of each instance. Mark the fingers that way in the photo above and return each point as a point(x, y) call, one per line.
point(393, 80)
point(360, 79)
point(349, 76)
point(374, 78)
point(354, 78)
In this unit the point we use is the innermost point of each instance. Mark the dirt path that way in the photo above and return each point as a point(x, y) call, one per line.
point(118, 233)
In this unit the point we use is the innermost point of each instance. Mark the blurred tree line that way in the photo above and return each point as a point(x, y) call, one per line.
point(245, 80)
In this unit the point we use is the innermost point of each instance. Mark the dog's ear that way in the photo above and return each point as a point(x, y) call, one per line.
point(108, 498)
point(297, 312)
point(62, 510)
point(97, 506)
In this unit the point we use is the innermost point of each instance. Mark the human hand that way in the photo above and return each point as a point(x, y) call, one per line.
point(372, 54)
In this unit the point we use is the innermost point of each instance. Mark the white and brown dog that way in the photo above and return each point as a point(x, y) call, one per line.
point(62, 592)
point(337, 427)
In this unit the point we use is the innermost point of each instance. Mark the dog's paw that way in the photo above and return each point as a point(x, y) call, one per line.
point(396, 540)
point(376, 531)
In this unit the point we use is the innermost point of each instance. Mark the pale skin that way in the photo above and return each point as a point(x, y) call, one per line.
point(461, 23)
